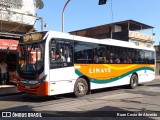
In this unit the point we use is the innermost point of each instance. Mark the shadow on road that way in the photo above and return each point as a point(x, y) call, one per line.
point(154, 85)
point(33, 98)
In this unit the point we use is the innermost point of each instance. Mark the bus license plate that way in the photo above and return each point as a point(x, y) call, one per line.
point(27, 87)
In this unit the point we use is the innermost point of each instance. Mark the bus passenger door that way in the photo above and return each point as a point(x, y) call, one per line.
point(61, 66)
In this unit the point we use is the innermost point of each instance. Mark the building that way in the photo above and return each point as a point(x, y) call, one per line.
point(17, 17)
point(128, 30)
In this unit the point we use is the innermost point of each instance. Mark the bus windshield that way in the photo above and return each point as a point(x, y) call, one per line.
point(31, 56)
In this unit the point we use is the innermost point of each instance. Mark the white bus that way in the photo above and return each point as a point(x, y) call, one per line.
point(52, 63)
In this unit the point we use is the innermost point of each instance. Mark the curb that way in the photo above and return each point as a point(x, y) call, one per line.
point(8, 90)
point(10, 94)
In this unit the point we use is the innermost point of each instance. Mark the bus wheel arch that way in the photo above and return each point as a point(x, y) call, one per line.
point(134, 81)
point(81, 86)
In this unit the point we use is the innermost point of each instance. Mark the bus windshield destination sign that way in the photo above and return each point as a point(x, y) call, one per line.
point(32, 37)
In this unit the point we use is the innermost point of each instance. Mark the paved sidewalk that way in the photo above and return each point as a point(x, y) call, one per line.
point(6, 90)
point(157, 77)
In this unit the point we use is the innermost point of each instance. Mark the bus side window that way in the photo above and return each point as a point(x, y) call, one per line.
point(53, 55)
point(61, 53)
point(69, 54)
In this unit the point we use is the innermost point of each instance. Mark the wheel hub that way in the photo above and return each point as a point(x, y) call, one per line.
point(81, 87)
point(134, 82)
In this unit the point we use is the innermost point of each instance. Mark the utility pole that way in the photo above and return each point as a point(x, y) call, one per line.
point(63, 14)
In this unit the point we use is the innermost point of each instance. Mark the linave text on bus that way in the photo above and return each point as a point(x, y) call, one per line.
point(99, 70)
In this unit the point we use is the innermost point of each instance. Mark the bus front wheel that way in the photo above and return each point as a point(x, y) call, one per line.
point(80, 87)
point(134, 81)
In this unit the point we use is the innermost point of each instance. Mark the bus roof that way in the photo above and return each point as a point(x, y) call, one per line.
point(55, 34)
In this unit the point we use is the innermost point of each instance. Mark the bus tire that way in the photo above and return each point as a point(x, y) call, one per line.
point(133, 81)
point(80, 87)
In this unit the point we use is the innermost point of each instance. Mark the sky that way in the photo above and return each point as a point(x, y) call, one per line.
point(81, 14)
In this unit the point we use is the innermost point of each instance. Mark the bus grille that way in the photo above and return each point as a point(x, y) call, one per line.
point(32, 90)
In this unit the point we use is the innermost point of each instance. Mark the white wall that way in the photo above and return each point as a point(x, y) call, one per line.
point(12, 10)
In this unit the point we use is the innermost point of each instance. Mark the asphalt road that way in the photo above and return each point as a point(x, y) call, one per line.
point(111, 103)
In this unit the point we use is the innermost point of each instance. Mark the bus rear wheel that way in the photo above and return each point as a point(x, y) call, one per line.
point(80, 87)
point(134, 81)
